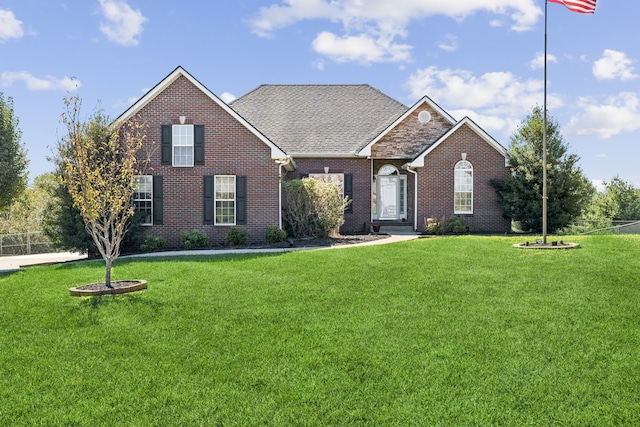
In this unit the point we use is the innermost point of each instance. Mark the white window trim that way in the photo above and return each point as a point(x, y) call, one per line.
point(455, 192)
point(215, 200)
point(136, 187)
point(174, 145)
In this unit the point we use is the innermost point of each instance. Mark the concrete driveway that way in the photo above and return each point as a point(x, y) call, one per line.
point(15, 262)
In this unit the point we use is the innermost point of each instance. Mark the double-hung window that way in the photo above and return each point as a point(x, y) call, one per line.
point(225, 199)
point(463, 188)
point(143, 197)
point(182, 145)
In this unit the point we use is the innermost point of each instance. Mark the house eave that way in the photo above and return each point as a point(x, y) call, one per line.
point(317, 155)
point(276, 152)
point(418, 162)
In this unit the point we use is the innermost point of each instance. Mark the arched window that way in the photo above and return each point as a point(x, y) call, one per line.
point(388, 170)
point(463, 188)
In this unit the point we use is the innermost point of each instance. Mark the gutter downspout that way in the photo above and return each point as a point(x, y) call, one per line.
point(371, 194)
point(281, 164)
point(415, 197)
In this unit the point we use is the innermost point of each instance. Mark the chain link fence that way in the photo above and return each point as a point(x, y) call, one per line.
point(24, 244)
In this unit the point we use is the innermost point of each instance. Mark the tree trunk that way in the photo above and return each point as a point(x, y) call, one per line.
point(107, 279)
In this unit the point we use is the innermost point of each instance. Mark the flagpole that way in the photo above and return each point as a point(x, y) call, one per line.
point(544, 136)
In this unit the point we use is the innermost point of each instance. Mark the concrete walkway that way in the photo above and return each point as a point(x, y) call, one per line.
point(393, 238)
point(14, 263)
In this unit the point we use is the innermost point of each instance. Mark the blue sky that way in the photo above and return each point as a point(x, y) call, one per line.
point(476, 58)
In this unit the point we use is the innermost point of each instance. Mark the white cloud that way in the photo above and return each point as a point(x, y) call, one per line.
point(10, 26)
point(372, 26)
point(449, 43)
point(123, 24)
point(523, 13)
point(538, 62)
point(121, 105)
point(617, 114)
point(613, 65)
point(319, 65)
point(362, 48)
point(228, 97)
point(497, 101)
point(33, 83)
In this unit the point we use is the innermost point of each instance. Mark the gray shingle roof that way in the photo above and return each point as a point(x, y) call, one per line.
point(319, 119)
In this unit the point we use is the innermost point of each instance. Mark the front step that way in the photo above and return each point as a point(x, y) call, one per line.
point(394, 228)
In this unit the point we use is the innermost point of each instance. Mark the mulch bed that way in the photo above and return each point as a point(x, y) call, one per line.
point(549, 245)
point(341, 240)
point(117, 287)
point(349, 239)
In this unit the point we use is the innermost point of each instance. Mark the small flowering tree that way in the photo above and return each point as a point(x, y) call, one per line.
point(98, 166)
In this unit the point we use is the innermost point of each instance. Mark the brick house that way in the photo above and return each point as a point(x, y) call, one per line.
point(216, 165)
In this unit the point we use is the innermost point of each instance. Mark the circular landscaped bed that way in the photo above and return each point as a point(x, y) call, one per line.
point(117, 287)
point(548, 245)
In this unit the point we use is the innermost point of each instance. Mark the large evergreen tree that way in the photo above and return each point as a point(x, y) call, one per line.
point(13, 157)
point(63, 225)
point(520, 196)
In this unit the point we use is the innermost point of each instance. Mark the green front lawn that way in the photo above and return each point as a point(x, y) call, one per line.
point(442, 331)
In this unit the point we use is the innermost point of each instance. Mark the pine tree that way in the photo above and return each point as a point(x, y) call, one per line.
point(520, 196)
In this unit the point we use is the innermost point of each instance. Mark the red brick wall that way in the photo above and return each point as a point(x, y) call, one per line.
point(230, 149)
point(436, 178)
point(357, 220)
point(435, 183)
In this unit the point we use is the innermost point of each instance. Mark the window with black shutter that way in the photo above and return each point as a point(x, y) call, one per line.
point(158, 208)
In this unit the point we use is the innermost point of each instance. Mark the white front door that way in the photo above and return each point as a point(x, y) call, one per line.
point(388, 199)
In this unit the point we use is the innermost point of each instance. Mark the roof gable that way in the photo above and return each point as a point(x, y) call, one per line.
point(366, 150)
point(419, 160)
point(276, 152)
point(319, 120)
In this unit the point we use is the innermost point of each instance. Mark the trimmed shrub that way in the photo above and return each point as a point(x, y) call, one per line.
point(434, 225)
point(275, 235)
point(456, 225)
point(313, 208)
point(236, 236)
point(152, 244)
point(194, 240)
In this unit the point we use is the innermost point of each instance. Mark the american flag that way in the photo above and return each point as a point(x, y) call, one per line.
point(580, 6)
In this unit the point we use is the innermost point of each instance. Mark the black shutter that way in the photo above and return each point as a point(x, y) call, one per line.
point(348, 190)
point(241, 200)
point(209, 202)
point(198, 145)
point(165, 144)
point(158, 209)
